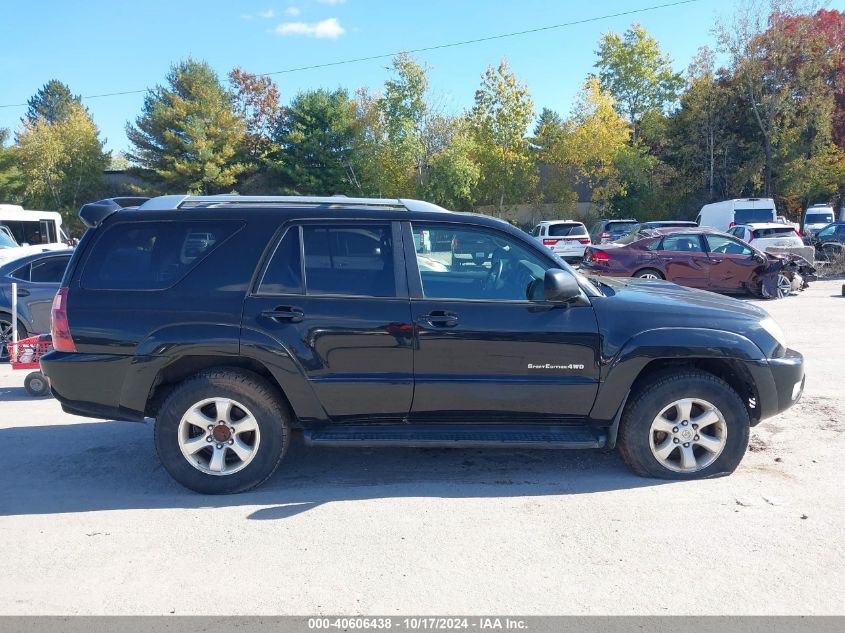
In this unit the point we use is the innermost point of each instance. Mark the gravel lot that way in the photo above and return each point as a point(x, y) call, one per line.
point(91, 524)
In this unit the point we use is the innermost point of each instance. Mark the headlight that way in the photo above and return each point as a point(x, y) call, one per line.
point(774, 330)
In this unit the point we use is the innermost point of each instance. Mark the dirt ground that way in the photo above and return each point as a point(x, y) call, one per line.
point(91, 524)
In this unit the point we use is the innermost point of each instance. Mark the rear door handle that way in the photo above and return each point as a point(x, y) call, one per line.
point(23, 292)
point(440, 318)
point(285, 313)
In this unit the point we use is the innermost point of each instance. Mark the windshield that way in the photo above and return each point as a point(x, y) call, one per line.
point(560, 230)
point(621, 227)
point(748, 216)
point(6, 241)
point(818, 218)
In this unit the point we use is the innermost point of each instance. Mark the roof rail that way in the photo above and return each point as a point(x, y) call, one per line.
point(164, 203)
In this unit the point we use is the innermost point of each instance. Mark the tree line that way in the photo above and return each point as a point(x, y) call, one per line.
point(640, 140)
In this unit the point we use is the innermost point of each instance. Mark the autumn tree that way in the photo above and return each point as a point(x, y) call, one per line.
point(257, 103)
point(499, 122)
point(61, 163)
point(188, 134)
point(637, 74)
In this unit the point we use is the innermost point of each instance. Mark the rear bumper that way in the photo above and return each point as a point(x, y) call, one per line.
point(779, 382)
point(89, 385)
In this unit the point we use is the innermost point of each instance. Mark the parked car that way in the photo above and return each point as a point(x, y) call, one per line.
point(605, 231)
point(829, 242)
point(254, 335)
point(565, 238)
point(38, 277)
point(724, 215)
point(698, 258)
point(473, 249)
point(816, 218)
point(763, 235)
point(422, 242)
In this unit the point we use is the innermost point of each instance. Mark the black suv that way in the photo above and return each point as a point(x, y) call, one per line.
point(233, 320)
point(605, 231)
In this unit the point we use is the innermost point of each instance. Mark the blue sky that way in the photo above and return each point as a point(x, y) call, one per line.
point(99, 47)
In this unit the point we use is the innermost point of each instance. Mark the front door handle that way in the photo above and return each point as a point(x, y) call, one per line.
point(440, 318)
point(285, 313)
point(23, 292)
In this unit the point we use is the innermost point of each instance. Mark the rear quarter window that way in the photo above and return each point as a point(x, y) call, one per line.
point(152, 255)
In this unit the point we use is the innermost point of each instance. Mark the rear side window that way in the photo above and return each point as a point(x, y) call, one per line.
point(49, 270)
point(349, 260)
point(562, 230)
point(152, 255)
point(749, 216)
point(682, 244)
point(284, 272)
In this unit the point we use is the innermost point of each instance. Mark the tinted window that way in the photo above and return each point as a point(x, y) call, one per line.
point(49, 270)
point(561, 230)
point(349, 260)
point(536, 230)
point(727, 245)
point(284, 272)
point(780, 231)
point(682, 243)
point(22, 273)
point(504, 269)
point(747, 216)
point(152, 255)
point(818, 218)
point(621, 227)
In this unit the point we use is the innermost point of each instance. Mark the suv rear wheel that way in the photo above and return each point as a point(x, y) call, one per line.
point(222, 431)
point(684, 425)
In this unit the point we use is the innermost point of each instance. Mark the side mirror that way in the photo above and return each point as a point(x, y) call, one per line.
point(759, 258)
point(560, 286)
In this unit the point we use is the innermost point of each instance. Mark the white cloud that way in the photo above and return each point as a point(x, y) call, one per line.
point(269, 13)
point(293, 11)
point(324, 29)
point(246, 16)
point(331, 2)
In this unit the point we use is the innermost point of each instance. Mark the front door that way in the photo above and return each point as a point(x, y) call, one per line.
point(488, 349)
point(333, 295)
point(685, 260)
point(732, 263)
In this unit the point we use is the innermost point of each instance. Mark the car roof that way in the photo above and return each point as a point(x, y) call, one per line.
point(548, 222)
point(767, 225)
point(17, 262)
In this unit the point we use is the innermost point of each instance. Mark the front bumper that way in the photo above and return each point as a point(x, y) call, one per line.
point(779, 383)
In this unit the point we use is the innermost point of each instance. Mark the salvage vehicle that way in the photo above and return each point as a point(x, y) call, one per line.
point(700, 258)
point(314, 314)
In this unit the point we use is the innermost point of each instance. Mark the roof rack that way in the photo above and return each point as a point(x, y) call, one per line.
point(165, 203)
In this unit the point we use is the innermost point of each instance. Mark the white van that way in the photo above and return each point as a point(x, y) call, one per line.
point(723, 215)
point(816, 218)
point(34, 231)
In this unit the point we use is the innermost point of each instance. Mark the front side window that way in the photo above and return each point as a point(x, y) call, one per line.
point(152, 255)
point(481, 264)
point(828, 231)
point(725, 245)
point(349, 259)
point(682, 243)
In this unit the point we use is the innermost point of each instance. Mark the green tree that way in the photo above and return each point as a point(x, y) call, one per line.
point(498, 122)
point(11, 180)
point(638, 75)
point(52, 103)
point(61, 163)
point(317, 137)
point(188, 135)
point(453, 175)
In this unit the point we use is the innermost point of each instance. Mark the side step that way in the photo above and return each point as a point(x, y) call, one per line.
point(457, 436)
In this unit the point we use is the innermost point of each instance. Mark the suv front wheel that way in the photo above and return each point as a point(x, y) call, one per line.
point(687, 424)
point(222, 431)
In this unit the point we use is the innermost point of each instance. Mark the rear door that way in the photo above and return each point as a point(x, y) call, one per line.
point(685, 260)
point(37, 292)
point(732, 262)
point(487, 350)
point(333, 296)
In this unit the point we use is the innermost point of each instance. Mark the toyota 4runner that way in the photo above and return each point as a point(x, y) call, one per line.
point(234, 320)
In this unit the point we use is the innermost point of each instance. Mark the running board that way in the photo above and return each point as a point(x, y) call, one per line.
point(457, 436)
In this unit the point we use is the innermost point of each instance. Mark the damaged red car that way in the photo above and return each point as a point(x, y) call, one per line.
point(700, 258)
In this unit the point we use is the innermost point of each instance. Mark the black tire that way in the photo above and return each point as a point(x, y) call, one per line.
point(645, 272)
point(5, 322)
point(659, 392)
point(257, 395)
point(36, 384)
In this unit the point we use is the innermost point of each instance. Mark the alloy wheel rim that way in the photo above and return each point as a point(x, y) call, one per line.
point(649, 276)
point(5, 337)
point(784, 286)
point(218, 436)
point(688, 435)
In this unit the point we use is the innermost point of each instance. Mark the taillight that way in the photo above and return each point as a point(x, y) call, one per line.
point(585, 240)
point(605, 235)
point(549, 242)
point(797, 234)
point(60, 329)
point(599, 256)
point(731, 225)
